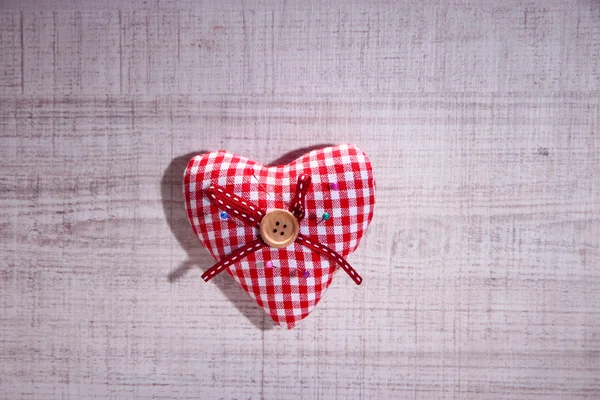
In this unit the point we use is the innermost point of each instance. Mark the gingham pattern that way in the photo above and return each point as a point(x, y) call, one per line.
point(283, 291)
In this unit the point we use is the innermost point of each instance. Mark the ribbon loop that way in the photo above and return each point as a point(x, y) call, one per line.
point(235, 205)
point(297, 205)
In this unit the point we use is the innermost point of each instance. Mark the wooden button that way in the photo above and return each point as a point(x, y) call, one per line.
point(279, 228)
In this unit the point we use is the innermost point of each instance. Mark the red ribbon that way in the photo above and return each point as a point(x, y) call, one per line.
point(252, 215)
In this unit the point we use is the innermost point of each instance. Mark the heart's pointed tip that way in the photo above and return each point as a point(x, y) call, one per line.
point(288, 326)
point(286, 323)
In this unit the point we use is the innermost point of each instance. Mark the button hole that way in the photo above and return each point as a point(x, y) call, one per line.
point(285, 226)
point(277, 223)
point(275, 231)
point(281, 233)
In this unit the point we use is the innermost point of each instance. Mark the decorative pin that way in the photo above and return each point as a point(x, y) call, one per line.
point(268, 264)
point(260, 185)
point(324, 217)
point(334, 186)
point(305, 274)
point(224, 216)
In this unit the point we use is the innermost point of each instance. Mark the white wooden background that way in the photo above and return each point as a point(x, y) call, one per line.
point(481, 266)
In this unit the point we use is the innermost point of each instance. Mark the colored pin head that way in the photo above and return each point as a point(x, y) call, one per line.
point(324, 217)
point(223, 215)
point(334, 186)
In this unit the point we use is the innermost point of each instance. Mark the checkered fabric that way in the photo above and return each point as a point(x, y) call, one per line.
point(342, 185)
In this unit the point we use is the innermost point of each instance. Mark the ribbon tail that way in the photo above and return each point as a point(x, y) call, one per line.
point(331, 255)
point(236, 256)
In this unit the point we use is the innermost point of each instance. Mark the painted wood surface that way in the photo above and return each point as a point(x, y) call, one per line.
point(481, 266)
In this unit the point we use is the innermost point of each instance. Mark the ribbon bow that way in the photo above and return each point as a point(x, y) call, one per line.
point(250, 214)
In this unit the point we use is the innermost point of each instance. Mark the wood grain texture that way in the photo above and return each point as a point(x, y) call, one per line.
point(481, 266)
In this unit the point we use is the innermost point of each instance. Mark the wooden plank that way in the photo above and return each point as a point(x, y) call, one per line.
point(481, 265)
point(11, 34)
point(303, 50)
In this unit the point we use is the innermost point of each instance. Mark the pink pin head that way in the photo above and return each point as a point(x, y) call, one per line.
point(334, 186)
point(268, 264)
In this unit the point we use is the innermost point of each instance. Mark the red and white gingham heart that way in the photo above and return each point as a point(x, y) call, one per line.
point(342, 185)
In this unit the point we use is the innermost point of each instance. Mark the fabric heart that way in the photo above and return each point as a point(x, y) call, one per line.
point(330, 195)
